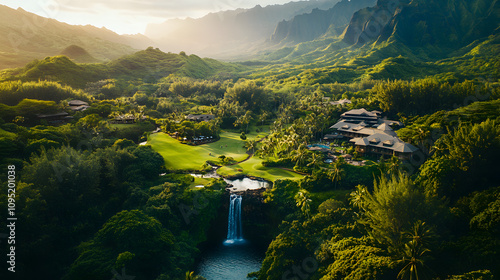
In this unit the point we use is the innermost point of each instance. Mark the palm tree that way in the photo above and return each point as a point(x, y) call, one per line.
point(263, 117)
point(251, 145)
point(357, 197)
point(303, 202)
point(421, 233)
point(337, 172)
point(420, 236)
point(394, 165)
point(315, 161)
point(300, 155)
point(413, 261)
point(244, 120)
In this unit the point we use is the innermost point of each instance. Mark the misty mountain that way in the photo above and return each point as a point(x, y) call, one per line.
point(309, 26)
point(443, 25)
point(231, 32)
point(25, 36)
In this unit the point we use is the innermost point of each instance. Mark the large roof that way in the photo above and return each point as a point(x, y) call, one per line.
point(360, 113)
point(361, 128)
point(77, 103)
point(382, 140)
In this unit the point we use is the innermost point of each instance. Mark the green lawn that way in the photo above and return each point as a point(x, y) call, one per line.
point(254, 167)
point(185, 157)
point(253, 134)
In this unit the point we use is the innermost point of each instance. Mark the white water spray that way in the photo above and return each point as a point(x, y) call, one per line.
point(234, 228)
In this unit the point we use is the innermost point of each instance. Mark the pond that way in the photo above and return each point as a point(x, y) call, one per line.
point(230, 261)
point(319, 145)
point(246, 184)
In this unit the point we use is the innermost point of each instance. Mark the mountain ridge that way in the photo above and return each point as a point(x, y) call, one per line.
point(25, 36)
point(309, 26)
point(223, 34)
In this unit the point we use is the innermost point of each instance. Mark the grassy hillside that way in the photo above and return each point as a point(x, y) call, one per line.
point(147, 65)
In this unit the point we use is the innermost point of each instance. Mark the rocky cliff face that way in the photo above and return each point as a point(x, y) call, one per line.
point(367, 24)
point(418, 23)
point(307, 27)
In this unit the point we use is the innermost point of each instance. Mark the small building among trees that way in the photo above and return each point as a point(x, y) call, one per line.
point(78, 105)
point(200, 117)
point(54, 119)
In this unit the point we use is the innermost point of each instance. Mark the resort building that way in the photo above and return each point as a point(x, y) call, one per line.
point(361, 115)
point(55, 119)
point(371, 134)
point(78, 105)
point(126, 119)
point(200, 117)
point(384, 144)
point(341, 102)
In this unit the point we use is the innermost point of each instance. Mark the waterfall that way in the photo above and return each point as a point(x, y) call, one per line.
point(234, 229)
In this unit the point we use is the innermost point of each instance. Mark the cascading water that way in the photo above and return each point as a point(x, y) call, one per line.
point(235, 257)
point(234, 228)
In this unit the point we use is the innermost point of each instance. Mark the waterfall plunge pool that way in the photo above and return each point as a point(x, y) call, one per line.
point(235, 257)
point(230, 261)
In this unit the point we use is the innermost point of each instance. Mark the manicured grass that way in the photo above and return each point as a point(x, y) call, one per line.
point(254, 167)
point(253, 134)
point(185, 157)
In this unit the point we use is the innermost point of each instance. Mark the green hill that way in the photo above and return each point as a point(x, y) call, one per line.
point(78, 54)
point(148, 65)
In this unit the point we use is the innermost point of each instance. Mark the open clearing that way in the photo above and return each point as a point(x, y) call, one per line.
point(254, 167)
point(180, 156)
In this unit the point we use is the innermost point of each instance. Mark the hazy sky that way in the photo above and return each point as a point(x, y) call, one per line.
point(128, 16)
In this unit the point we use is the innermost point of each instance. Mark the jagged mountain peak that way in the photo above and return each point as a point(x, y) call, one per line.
point(309, 26)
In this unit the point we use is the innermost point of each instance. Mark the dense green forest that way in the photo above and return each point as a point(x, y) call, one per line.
point(94, 196)
point(439, 220)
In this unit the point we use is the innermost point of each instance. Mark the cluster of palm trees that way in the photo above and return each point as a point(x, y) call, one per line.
point(409, 249)
point(289, 141)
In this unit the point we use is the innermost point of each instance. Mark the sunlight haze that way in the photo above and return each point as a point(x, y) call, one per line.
point(129, 16)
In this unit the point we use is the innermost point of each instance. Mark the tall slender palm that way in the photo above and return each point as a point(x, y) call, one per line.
point(303, 202)
point(251, 145)
point(337, 172)
point(413, 261)
point(414, 251)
